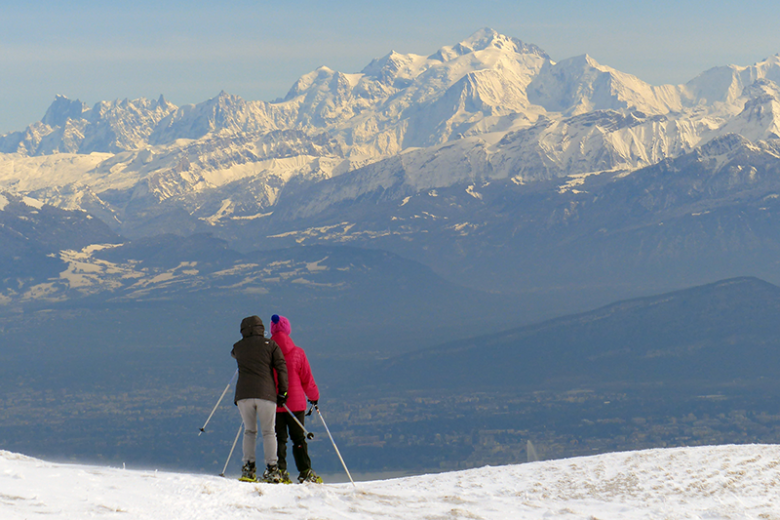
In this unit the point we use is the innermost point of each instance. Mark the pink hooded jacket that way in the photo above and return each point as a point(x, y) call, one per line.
point(301, 383)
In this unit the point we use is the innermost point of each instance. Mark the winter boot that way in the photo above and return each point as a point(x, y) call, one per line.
point(272, 475)
point(308, 475)
point(248, 472)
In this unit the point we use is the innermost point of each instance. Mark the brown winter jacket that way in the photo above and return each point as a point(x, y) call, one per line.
point(257, 358)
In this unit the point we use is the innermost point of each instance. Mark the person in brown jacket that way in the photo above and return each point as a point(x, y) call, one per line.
point(257, 395)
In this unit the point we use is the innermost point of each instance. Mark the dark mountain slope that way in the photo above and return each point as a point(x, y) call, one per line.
point(714, 334)
point(31, 235)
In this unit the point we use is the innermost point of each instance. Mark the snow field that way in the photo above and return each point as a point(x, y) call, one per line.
point(721, 482)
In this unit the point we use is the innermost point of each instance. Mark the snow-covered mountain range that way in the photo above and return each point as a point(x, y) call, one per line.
point(486, 161)
point(706, 482)
point(490, 107)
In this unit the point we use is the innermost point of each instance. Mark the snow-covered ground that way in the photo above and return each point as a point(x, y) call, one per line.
point(721, 482)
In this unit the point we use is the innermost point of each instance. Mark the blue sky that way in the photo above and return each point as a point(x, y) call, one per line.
point(189, 51)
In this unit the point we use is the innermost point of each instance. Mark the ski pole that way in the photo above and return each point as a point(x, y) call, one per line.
point(219, 401)
point(231, 450)
point(309, 435)
point(334, 444)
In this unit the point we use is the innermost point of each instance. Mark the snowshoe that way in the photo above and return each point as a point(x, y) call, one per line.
point(308, 475)
point(248, 472)
point(272, 475)
point(285, 477)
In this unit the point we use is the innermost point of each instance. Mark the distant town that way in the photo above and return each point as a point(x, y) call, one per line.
point(407, 432)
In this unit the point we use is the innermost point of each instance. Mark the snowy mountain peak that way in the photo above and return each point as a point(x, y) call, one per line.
point(762, 87)
point(320, 79)
point(483, 38)
point(486, 39)
point(768, 66)
point(72, 127)
point(585, 62)
point(386, 68)
point(759, 118)
point(224, 112)
point(580, 84)
point(726, 84)
point(63, 109)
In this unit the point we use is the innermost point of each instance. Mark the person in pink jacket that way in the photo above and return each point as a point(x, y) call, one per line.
point(301, 386)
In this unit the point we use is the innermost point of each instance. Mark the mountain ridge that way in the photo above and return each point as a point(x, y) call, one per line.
point(712, 335)
point(476, 90)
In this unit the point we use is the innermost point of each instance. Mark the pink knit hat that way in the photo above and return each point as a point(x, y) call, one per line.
point(280, 324)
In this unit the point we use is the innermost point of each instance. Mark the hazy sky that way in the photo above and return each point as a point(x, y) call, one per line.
point(190, 50)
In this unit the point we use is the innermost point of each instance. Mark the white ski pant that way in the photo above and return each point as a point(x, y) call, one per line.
point(263, 410)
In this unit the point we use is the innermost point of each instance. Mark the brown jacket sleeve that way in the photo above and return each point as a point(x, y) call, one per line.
point(279, 364)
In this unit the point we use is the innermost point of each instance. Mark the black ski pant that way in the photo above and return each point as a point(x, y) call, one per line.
point(285, 423)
